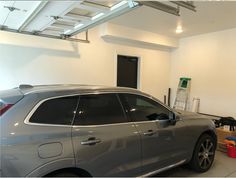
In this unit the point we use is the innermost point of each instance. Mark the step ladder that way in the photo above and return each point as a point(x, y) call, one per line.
point(182, 95)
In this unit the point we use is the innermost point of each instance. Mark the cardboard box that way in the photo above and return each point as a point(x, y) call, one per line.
point(221, 147)
point(222, 133)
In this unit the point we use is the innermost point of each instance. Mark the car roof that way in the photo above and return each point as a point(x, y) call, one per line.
point(68, 89)
point(29, 89)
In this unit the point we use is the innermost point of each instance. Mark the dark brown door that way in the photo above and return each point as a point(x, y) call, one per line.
point(127, 71)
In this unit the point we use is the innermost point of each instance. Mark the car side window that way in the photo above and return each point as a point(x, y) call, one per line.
point(58, 111)
point(141, 108)
point(99, 109)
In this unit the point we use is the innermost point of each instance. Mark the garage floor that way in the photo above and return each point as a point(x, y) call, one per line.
point(222, 167)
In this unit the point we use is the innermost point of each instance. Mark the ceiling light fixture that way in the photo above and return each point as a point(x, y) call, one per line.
point(97, 16)
point(78, 26)
point(118, 5)
point(179, 29)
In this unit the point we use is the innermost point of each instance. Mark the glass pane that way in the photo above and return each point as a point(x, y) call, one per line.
point(99, 109)
point(56, 111)
point(144, 109)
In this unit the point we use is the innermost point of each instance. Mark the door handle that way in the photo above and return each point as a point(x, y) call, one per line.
point(149, 133)
point(91, 141)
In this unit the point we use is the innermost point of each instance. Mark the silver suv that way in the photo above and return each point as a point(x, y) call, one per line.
point(76, 130)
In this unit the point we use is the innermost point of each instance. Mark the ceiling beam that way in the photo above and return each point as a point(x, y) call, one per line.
point(76, 17)
point(187, 5)
point(65, 27)
point(93, 7)
point(68, 20)
point(54, 28)
point(161, 6)
point(96, 6)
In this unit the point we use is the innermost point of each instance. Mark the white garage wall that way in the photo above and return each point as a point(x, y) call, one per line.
point(210, 60)
point(35, 60)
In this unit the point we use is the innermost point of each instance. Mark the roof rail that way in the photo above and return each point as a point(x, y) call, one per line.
point(25, 86)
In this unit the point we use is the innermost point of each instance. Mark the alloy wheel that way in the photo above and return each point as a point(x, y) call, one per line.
point(206, 154)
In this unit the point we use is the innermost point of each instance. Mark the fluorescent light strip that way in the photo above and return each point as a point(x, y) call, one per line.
point(78, 26)
point(97, 16)
point(132, 3)
point(67, 31)
point(118, 5)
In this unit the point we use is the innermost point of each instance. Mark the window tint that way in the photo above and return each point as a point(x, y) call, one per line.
point(144, 109)
point(99, 109)
point(56, 111)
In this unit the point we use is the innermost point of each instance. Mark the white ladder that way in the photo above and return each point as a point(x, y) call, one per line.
point(182, 95)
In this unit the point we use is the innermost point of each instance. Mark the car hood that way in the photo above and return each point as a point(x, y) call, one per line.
point(193, 115)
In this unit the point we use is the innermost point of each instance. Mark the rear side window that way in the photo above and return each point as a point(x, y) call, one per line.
point(99, 109)
point(58, 111)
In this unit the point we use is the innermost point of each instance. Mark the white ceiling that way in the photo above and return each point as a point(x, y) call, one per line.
point(210, 16)
point(78, 15)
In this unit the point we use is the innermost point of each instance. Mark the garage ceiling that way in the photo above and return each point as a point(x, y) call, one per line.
point(60, 19)
point(210, 16)
point(63, 19)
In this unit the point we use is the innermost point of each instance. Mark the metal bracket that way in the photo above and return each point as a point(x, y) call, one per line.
point(11, 8)
point(39, 33)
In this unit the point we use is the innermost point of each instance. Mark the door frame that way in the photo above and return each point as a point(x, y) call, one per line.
point(138, 69)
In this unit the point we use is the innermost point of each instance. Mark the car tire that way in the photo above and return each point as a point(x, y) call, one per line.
point(204, 154)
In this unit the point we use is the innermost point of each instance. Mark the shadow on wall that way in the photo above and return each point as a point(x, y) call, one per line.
point(16, 61)
point(136, 44)
point(20, 55)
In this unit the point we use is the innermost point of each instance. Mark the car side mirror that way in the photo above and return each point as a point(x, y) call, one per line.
point(172, 119)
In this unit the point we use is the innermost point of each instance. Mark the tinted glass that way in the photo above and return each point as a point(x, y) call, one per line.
point(144, 109)
point(99, 109)
point(56, 111)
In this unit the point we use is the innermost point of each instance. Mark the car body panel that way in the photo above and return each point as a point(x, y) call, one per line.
point(118, 153)
point(21, 142)
point(168, 145)
point(52, 166)
point(152, 146)
point(11, 96)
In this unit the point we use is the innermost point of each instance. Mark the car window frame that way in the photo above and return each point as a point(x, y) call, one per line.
point(40, 103)
point(29, 115)
point(127, 108)
point(128, 120)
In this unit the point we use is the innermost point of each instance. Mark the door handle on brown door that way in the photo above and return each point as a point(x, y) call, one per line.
point(149, 133)
point(91, 141)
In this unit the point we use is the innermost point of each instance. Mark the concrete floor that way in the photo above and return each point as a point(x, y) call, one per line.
point(223, 166)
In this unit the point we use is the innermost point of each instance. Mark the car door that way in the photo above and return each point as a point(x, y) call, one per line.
point(105, 142)
point(159, 138)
